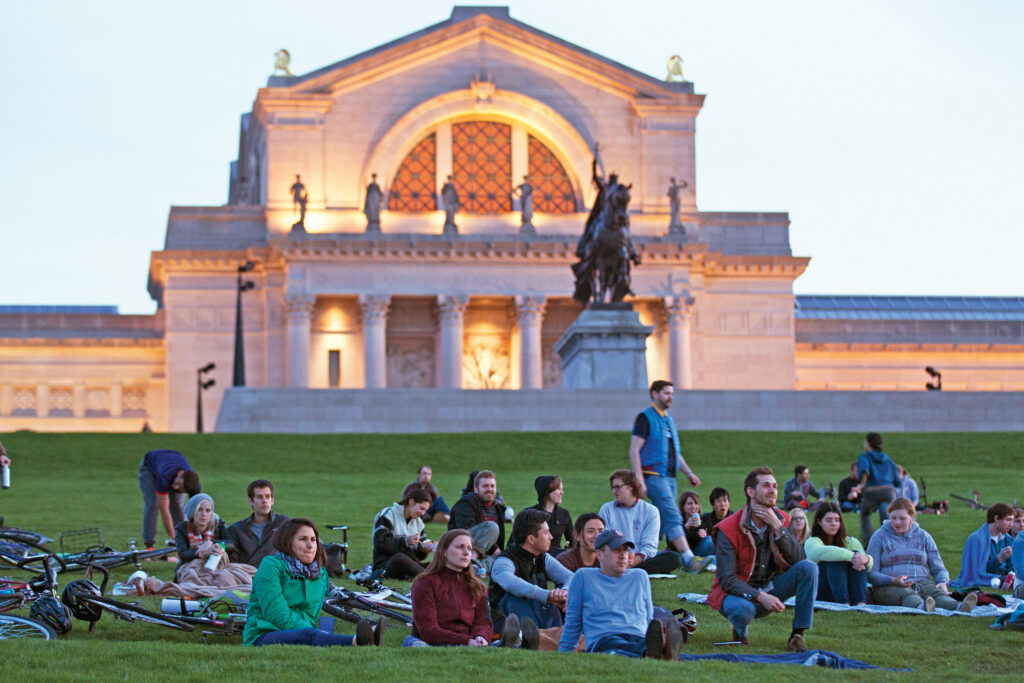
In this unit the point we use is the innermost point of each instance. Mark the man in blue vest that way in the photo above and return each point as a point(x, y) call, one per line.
point(655, 455)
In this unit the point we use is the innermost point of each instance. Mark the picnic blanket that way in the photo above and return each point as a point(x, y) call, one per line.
point(824, 658)
point(196, 581)
point(979, 611)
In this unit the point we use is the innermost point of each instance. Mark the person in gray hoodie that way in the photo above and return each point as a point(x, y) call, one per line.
point(907, 570)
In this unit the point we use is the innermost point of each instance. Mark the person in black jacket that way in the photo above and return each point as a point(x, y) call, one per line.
point(253, 536)
point(549, 500)
point(482, 516)
point(849, 495)
point(201, 532)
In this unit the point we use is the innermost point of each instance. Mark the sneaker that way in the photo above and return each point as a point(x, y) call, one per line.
point(655, 639)
point(929, 604)
point(509, 632)
point(378, 631)
point(699, 564)
point(796, 643)
point(969, 603)
point(711, 568)
point(673, 641)
point(364, 633)
point(530, 634)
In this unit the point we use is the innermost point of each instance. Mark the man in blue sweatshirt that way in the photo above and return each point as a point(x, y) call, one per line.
point(613, 609)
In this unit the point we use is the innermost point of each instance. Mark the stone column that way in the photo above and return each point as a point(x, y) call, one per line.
point(451, 312)
point(6, 399)
point(78, 400)
point(375, 319)
point(529, 315)
point(679, 312)
point(298, 310)
point(42, 400)
point(116, 399)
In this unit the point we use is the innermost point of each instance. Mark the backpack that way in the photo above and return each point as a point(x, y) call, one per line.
point(1013, 621)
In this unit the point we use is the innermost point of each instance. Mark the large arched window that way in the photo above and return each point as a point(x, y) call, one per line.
point(482, 166)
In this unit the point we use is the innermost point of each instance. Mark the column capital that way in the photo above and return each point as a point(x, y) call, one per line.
point(679, 309)
point(298, 307)
point(374, 308)
point(452, 308)
point(530, 309)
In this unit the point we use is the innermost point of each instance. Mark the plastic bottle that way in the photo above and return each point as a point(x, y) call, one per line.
point(6, 483)
point(213, 560)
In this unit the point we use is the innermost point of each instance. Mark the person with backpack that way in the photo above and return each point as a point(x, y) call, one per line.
point(879, 480)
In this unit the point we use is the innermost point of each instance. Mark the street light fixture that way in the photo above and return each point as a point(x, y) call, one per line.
point(938, 379)
point(201, 386)
point(238, 377)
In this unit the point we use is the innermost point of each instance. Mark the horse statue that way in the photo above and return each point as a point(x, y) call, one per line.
point(606, 250)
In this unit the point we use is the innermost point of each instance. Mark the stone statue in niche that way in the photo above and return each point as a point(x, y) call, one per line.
point(372, 205)
point(674, 224)
point(451, 205)
point(299, 200)
point(525, 193)
point(675, 69)
point(487, 366)
point(605, 249)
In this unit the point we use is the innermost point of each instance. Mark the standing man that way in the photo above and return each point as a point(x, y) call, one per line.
point(637, 520)
point(253, 536)
point(482, 516)
point(655, 455)
point(761, 564)
point(613, 609)
point(165, 477)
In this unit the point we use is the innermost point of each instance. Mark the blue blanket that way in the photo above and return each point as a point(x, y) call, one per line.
point(824, 658)
point(972, 565)
point(979, 611)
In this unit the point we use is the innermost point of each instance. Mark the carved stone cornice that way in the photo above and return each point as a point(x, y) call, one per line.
point(451, 309)
point(374, 308)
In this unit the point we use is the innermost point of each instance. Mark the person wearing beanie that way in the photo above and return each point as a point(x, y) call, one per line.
point(549, 500)
point(198, 535)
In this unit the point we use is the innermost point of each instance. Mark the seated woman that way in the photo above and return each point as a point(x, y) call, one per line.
point(695, 526)
point(201, 532)
point(549, 500)
point(582, 554)
point(398, 548)
point(908, 570)
point(288, 593)
point(842, 563)
point(798, 524)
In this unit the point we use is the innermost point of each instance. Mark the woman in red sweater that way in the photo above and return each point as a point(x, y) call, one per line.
point(449, 601)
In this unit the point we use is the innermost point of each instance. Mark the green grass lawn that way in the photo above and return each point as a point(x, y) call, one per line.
point(71, 481)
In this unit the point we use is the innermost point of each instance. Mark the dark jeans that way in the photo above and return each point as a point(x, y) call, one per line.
point(304, 636)
point(544, 614)
point(437, 506)
point(401, 566)
point(848, 506)
point(800, 580)
point(625, 644)
point(871, 498)
point(150, 513)
point(840, 582)
point(665, 562)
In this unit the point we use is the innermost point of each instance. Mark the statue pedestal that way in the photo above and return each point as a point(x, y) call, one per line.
point(605, 348)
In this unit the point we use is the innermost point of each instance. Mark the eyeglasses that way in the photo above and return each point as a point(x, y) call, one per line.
point(616, 487)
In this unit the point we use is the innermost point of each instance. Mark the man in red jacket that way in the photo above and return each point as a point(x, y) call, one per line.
point(761, 564)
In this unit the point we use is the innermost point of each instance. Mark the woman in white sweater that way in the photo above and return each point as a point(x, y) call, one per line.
point(842, 563)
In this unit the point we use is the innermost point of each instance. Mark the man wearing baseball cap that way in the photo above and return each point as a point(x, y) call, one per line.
point(613, 609)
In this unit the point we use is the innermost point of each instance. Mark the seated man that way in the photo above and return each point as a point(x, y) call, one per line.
point(253, 536)
point(639, 521)
point(988, 551)
point(613, 609)
point(479, 513)
point(760, 564)
point(849, 493)
point(798, 490)
point(719, 500)
point(166, 480)
point(399, 544)
point(520, 575)
point(1017, 553)
point(582, 554)
point(438, 512)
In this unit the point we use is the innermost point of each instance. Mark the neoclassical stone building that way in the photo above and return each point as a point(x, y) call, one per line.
point(408, 303)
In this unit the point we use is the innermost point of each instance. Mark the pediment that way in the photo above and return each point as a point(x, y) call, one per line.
point(469, 26)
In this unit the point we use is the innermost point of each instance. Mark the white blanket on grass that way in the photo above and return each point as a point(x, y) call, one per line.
point(979, 611)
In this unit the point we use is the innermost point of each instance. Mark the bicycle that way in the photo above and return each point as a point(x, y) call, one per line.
point(21, 627)
point(47, 618)
point(379, 601)
point(227, 624)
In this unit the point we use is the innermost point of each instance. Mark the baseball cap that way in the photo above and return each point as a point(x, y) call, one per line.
point(612, 538)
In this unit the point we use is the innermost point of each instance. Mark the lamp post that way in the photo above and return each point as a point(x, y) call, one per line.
point(238, 377)
point(201, 386)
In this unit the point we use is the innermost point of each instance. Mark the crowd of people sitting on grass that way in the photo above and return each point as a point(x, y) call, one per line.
point(541, 580)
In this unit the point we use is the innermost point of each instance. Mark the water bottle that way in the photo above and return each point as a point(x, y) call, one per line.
point(214, 559)
point(6, 476)
point(174, 605)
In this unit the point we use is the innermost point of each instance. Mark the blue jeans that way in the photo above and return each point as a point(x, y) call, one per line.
point(800, 580)
point(705, 547)
point(304, 636)
point(849, 506)
point(662, 492)
point(544, 614)
point(840, 582)
point(147, 483)
point(437, 506)
point(665, 562)
point(625, 644)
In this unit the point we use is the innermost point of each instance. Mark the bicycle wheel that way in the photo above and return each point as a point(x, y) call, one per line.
point(128, 612)
point(20, 627)
point(356, 610)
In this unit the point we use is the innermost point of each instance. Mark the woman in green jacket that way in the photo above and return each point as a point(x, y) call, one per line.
point(842, 563)
point(288, 592)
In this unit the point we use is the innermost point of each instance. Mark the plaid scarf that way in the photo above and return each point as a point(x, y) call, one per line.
point(296, 567)
point(194, 539)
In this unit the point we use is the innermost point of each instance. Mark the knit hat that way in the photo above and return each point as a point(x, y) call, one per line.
point(543, 486)
point(193, 504)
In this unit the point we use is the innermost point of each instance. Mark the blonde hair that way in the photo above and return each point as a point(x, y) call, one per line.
point(799, 512)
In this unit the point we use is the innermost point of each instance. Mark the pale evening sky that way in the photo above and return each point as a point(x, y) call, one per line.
point(892, 132)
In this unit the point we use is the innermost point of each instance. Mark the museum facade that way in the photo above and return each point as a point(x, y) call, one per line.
point(335, 201)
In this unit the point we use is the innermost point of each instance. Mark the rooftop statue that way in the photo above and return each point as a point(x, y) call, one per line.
point(675, 69)
point(282, 59)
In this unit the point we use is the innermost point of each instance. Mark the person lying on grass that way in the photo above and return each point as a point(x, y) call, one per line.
point(288, 592)
point(399, 542)
point(987, 552)
point(908, 570)
point(842, 563)
point(612, 607)
point(449, 601)
point(582, 553)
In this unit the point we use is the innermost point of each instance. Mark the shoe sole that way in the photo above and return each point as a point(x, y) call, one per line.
point(379, 630)
point(510, 631)
point(674, 641)
point(531, 634)
point(655, 639)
